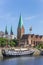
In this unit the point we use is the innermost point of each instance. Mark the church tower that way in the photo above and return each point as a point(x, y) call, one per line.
point(20, 29)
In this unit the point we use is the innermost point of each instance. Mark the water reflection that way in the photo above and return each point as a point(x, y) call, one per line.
point(22, 61)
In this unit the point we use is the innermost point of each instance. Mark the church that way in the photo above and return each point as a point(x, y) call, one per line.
point(27, 39)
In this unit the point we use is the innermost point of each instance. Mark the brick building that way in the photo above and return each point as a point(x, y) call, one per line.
point(27, 39)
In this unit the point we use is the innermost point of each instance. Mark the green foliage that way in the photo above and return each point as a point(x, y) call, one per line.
point(16, 41)
point(4, 42)
point(40, 46)
point(11, 44)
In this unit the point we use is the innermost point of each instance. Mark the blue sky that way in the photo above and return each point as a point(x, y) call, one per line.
point(31, 11)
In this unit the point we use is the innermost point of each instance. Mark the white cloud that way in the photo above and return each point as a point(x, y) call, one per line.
point(33, 17)
point(29, 18)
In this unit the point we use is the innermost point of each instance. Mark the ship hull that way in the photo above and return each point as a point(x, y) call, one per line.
point(5, 55)
point(18, 54)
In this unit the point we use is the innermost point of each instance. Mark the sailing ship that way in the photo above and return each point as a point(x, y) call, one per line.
point(16, 53)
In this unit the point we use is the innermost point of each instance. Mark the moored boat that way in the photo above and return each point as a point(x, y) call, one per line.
point(16, 53)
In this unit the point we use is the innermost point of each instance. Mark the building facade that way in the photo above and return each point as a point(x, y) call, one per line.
point(27, 39)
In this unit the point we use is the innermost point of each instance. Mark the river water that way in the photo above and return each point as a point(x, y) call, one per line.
point(23, 61)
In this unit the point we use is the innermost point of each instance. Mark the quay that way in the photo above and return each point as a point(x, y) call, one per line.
point(1, 56)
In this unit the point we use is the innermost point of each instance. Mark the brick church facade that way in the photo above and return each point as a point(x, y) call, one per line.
point(27, 39)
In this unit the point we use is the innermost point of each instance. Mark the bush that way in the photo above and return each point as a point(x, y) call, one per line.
point(12, 44)
point(16, 42)
point(40, 46)
point(4, 42)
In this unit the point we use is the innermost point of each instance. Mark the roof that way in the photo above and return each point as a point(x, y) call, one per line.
point(25, 36)
point(1, 33)
point(20, 22)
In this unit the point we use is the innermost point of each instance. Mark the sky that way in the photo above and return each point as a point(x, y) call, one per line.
point(31, 12)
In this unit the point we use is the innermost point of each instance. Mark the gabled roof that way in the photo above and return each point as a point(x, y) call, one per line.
point(1, 33)
point(25, 36)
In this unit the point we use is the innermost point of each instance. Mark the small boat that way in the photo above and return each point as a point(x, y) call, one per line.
point(16, 53)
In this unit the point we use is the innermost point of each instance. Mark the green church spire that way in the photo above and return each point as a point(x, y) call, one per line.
point(20, 22)
point(11, 32)
point(6, 32)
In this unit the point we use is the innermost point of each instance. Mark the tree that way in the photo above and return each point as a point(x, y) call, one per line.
point(40, 45)
point(6, 32)
point(2, 42)
point(11, 32)
point(16, 42)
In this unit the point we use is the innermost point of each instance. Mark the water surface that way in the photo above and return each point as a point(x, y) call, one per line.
point(23, 61)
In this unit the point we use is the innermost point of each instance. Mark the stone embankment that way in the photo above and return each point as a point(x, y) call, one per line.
point(37, 52)
point(1, 56)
